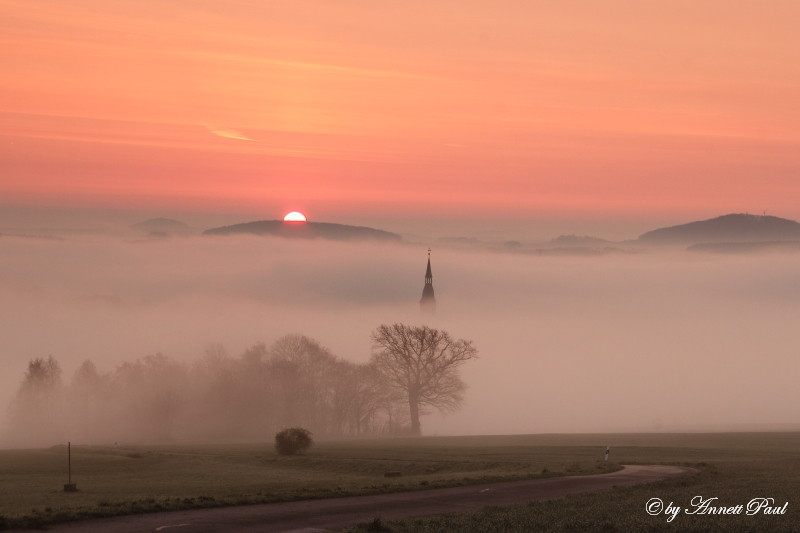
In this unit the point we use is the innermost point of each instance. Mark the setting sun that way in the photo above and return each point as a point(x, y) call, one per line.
point(294, 216)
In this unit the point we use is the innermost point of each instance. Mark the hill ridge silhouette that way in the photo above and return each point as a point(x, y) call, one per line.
point(735, 227)
point(305, 230)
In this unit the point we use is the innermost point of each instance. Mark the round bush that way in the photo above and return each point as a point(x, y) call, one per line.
point(292, 440)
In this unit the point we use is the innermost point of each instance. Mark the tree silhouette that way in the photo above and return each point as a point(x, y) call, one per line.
point(421, 364)
point(36, 414)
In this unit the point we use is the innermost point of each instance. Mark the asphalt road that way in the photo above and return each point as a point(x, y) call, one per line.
point(336, 513)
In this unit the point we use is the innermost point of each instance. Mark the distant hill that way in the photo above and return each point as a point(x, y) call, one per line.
point(728, 228)
point(745, 247)
point(162, 227)
point(306, 230)
point(461, 241)
point(577, 240)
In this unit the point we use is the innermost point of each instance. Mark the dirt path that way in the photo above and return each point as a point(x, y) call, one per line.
point(337, 513)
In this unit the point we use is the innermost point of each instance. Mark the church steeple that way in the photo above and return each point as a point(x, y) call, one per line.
point(428, 302)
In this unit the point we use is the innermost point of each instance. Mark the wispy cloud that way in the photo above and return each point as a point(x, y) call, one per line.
point(230, 134)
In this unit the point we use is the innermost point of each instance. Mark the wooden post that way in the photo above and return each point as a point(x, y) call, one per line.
point(70, 486)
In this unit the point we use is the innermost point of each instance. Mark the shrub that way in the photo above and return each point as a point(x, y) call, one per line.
point(291, 441)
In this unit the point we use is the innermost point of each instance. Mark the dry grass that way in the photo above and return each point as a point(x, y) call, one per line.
point(735, 469)
point(123, 480)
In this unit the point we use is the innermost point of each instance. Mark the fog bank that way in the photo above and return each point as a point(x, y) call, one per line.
point(649, 341)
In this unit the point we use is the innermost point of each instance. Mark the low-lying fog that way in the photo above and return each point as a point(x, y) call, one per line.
point(653, 341)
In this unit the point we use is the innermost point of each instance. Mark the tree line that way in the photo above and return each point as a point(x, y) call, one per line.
point(295, 381)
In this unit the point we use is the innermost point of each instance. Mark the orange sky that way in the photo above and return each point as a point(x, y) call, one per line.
point(484, 108)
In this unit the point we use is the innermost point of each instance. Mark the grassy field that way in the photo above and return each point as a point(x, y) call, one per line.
point(122, 480)
point(119, 480)
point(735, 468)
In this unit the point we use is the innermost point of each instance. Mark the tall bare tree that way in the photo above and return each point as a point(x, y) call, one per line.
point(421, 364)
point(36, 412)
point(305, 374)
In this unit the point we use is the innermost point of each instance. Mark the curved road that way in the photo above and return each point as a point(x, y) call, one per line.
point(336, 513)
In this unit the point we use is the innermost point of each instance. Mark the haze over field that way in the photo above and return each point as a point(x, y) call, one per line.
point(649, 341)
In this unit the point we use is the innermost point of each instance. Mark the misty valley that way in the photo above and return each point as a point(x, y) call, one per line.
point(230, 339)
point(168, 366)
point(427, 266)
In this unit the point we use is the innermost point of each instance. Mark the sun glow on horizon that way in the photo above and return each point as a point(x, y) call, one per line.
point(295, 216)
point(665, 112)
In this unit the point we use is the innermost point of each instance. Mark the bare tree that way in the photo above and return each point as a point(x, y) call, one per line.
point(86, 397)
point(35, 413)
point(305, 375)
point(421, 363)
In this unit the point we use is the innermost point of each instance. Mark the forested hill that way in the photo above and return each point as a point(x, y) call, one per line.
point(727, 228)
point(305, 230)
point(163, 226)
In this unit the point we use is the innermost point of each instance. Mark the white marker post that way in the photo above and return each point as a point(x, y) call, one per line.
point(608, 449)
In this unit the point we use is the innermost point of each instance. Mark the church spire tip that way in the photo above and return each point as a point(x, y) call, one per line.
point(428, 301)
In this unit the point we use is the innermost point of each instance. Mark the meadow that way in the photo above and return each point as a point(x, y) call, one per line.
point(134, 479)
point(735, 468)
